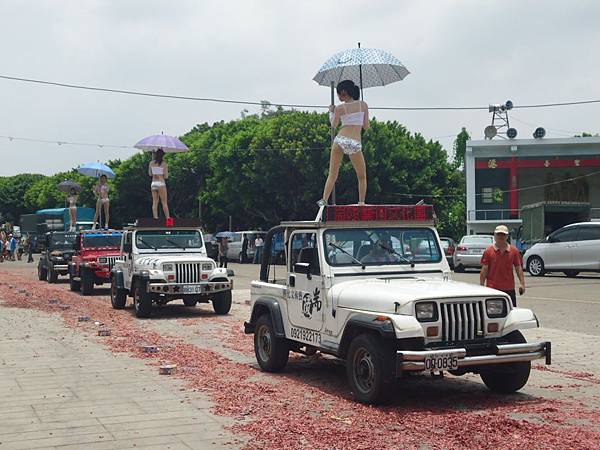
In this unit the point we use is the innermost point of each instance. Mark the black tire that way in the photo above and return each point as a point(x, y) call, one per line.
point(87, 282)
point(142, 300)
point(190, 301)
point(74, 285)
point(535, 266)
point(221, 302)
point(51, 275)
point(118, 297)
point(370, 368)
point(507, 378)
point(459, 269)
point(271, 352)
point(571, 273)
point(42, 273)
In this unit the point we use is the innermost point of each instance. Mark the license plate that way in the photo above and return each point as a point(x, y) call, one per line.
point(192, 289)
point(444, 361)
point(477, 251)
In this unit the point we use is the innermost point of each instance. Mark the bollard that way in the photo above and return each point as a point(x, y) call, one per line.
point(83, 319)
point(103, 332)
point(167, 369)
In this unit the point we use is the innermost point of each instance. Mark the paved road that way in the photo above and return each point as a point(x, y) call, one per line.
point(65, 387)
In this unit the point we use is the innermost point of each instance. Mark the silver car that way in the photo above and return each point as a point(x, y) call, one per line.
point(470, 250)
point(236, 245)
point(572, 249)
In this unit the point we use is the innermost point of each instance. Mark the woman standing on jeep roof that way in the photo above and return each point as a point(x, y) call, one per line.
point(72, 199)
point(354, 117)
point(102, 202)
point(159, 171)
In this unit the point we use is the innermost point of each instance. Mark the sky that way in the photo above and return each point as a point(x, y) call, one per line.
point(459, 53)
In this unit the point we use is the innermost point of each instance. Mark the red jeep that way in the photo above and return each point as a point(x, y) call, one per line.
point(96, 252)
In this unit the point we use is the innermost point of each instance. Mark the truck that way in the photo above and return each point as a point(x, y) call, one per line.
point(370, 285)
point(165, 260)
point(59, 247)
point(59, 219)
point(542, 218)
point(96, 252)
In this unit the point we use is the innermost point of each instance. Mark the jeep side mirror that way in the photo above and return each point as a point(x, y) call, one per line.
point(302, 268)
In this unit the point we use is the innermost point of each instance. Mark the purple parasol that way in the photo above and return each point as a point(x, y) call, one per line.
point(168, 144)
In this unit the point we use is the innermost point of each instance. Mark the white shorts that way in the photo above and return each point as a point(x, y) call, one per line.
point(348, 145)
point(156, 185)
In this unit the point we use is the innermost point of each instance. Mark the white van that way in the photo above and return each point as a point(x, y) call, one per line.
point(572, 249)
point(236, 243)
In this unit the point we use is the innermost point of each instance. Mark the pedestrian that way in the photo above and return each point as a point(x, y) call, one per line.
point(100, 190)
point(1, 247)
point(497, 265)
point(12, 247)
point(30, 246)
point(245, 242)
point(19, 250)
point(159, 171)
point(223, 247)
point(258, 247)
point(354, 117)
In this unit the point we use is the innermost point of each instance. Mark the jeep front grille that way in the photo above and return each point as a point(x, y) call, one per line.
point(187, 273)
point(111, 260)
point(462, 321)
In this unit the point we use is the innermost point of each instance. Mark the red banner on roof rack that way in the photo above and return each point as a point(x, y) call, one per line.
point(184, 222)
point(378, 213)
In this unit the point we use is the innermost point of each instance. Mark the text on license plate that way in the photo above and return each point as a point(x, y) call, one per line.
point(444, 361)
point(192, 289)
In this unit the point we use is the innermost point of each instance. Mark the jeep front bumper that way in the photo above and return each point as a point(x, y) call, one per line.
point(207, 287)
point(60, 267)
point(408, 360)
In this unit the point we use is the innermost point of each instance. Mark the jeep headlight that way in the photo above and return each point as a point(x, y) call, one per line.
point(426, 311)
point(167, 267)
point(495, 307)
point(102, 260)
point(206, 267)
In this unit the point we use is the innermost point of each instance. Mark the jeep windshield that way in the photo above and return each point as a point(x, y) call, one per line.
point(169, 239)
point(381, 246)
point(99, 240)
point(63, 240)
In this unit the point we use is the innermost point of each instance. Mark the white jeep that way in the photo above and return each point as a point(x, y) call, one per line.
point(163, 262)
point(370, 285)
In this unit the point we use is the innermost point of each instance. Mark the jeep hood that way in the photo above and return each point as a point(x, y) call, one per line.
point(380, 295)
point(153, 261)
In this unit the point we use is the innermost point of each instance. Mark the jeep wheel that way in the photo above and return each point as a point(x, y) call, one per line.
point(571, 273)
point(271, 352)
point(507, 378)
point(74, 285)
point(190, 301)
point(222, 302)
point(118, 297)
point(87, 282)
point(42, 273)
point(369, 367)
point(51, 275)
point(142, 300)
point(459, 268)
point(535, 266)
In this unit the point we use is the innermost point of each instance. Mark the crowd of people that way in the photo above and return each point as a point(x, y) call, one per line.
point(12, 245)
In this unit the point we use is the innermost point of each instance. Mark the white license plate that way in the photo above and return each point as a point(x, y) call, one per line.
point(192, 289)
point(477, 251)
point(444, 361)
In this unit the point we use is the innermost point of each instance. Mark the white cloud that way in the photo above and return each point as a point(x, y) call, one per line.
point(459, 52)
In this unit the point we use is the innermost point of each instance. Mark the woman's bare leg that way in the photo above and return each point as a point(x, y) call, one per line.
point(358, 161)
point(73, 214)
point(106, 215)
point(97, 214)
point(155, 203)
point(335, 160)
point(162, 192)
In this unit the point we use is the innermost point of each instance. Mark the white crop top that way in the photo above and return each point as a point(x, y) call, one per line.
point(157, 170)
point(355, 118)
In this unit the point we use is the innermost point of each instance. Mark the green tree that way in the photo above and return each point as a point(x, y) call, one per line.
point(12, 193)
point(460, 147)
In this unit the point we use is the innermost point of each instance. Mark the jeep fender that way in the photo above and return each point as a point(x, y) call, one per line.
point(219, 274)
point(118, 276)
point(519, 319)
point(268, 305)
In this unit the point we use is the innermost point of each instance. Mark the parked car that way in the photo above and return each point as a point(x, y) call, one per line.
point(572, 249)
point(449, 247)
point(469, 251)
point(236, 245)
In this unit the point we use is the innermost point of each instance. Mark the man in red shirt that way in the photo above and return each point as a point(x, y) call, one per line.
point(497, 265)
